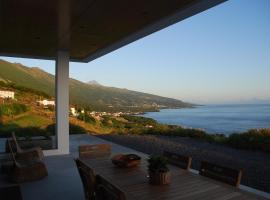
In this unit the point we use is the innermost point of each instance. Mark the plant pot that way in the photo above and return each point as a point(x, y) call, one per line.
point(159, 178)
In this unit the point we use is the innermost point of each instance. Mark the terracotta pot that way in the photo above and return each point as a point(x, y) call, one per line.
point(159, 178)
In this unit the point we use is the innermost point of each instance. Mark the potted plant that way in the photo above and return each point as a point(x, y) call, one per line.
point(158, 170)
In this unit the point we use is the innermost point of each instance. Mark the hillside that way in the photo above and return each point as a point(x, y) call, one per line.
point(97, 97)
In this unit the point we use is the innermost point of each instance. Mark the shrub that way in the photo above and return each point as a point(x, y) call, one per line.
point(87, 118)
point(106, 121)
point(26, 132)
point(12, 109)
point(73, 129)
point(157, 164)
point(117, 124)
point(140, 120)
point(254, 139)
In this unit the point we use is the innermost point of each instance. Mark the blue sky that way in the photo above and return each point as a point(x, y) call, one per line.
point(219, 56)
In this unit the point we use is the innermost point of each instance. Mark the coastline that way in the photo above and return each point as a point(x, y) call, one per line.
point(216, 118)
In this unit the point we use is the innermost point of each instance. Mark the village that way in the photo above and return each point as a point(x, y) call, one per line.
point(73, 110)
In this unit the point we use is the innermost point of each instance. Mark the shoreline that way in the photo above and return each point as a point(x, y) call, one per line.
point(221, 119)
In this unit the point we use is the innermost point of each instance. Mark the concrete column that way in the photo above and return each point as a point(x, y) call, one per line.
point(62, 101)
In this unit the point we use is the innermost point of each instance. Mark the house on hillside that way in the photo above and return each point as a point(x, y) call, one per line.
point(73, 112)
point(7, 94)
point(46, 103)
point(117, 114)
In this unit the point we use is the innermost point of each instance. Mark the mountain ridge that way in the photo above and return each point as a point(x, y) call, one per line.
point(95, 96)
point(93, 82)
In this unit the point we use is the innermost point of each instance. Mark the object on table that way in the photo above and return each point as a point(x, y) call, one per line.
point(89, 151)
point(126, 160)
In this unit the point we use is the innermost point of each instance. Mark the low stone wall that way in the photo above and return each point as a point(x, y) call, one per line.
point(255, 165)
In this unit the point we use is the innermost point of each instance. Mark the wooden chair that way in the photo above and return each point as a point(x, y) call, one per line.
point(181, 161)
point(88, 179)
point(220, 173)
point(35, 152)
point(27, 170)
point(107, 191)
point(94, 151)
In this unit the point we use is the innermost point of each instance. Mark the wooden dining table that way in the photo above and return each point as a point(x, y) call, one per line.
point(184, 184)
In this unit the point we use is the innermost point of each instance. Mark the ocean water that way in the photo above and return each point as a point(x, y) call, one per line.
point(224, 119)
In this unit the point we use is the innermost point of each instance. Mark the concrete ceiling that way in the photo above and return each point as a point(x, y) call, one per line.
point(30, 28)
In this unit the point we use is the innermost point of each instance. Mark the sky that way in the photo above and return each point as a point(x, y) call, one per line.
point(221, 55)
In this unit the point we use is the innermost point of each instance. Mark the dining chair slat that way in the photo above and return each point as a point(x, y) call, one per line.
point(181, 161)
point(107, 191)
point(94, 151)
point(88, 179)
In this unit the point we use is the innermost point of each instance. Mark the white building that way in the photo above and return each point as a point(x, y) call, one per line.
point(7, 94)
point(73, 111)
point(46, 102)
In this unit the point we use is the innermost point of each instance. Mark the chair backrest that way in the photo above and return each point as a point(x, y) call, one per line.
point(88, 179)
point(181, 161)
point(93, 151)
point(220, 173)
point(12, 153)
point(16, 142)
point(107, 191)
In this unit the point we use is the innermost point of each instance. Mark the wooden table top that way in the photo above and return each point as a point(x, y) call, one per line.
point(184, 184)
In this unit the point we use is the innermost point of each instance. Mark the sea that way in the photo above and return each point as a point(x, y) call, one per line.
point(222, 119)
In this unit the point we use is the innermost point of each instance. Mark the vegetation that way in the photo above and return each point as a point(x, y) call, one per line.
point(255, 139)
point(30, 120)
point(27, 119)
point(29, 132)
point(87, 118)
point(140, 120)
point(73, 129)
point(157, 164)
point(12, 109)
point(23, 89)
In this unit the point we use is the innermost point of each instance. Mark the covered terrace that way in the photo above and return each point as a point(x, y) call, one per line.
point(81, 31)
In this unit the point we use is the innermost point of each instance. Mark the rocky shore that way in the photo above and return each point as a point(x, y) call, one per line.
point(255, 164)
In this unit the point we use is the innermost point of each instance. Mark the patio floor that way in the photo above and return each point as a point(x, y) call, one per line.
point(63, 181)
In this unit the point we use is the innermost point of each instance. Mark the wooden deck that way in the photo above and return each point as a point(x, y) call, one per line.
point(184, 184)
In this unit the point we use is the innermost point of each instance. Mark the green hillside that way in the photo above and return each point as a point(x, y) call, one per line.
point(97, 97)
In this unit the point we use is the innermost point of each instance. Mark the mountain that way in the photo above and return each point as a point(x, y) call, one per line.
point(97, 97)
point(93, 82)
